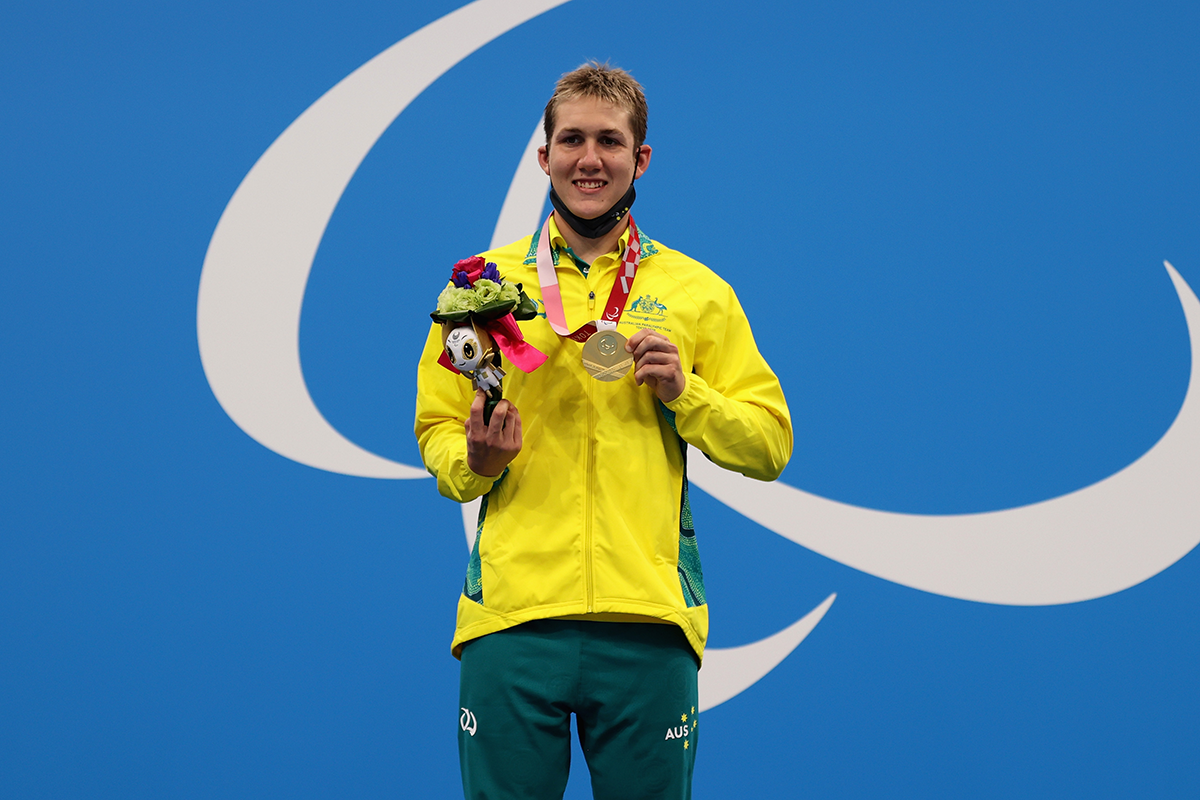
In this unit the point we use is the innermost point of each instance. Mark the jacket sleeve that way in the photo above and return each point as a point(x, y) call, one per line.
point(732, 408)
point(443, 403)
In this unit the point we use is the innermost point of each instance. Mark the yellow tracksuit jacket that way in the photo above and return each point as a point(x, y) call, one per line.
point(591, 518)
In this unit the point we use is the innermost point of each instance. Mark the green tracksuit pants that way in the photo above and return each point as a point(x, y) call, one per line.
point(631, 686)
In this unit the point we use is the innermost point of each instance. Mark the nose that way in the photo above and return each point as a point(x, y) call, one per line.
point(590, 158)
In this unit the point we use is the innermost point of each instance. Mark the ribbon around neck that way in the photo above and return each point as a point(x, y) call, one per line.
point(622, 286)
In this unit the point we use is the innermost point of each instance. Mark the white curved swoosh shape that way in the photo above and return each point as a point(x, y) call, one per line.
point(730, 671)
point(1098, 540)
point(522, 209)
point(257, 265)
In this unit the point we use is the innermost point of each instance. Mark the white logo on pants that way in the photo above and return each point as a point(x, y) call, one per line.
point(467, 721)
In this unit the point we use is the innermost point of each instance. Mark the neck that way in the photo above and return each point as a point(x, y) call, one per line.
point(591, 249)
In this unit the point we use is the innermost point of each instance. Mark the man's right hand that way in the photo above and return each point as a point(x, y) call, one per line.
point(491, 447)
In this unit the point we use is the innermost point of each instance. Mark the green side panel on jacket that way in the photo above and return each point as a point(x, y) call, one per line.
point(691, 576)
point(473, 586)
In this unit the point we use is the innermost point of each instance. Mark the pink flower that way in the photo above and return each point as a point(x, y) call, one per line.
point(467, 272)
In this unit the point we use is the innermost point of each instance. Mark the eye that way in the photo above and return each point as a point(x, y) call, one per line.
point(468, 351)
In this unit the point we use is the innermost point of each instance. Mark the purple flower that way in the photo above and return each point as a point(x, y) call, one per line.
point(491, 272)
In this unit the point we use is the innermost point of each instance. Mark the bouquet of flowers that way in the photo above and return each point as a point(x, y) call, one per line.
point(478, 314)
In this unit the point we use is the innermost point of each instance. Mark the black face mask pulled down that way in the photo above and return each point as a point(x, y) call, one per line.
point(593, 228)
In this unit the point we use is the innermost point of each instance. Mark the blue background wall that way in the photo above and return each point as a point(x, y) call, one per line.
point(947, 224)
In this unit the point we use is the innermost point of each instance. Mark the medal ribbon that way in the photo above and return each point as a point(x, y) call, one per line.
point(552, 297)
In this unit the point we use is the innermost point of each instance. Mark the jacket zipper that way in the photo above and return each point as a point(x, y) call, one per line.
point(590, 488)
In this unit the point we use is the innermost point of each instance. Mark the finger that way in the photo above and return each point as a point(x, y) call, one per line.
point(657, 366)
point(656, 357)
point(477, 406)
point(664, 365)
point(495, 429)
point(475, 416)
point(655, 342)
point(512, 430)
point(666, 381)
point(647, 372)
point(636, 339)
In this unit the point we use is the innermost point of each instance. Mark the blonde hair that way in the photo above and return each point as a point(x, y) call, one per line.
point(603, 82)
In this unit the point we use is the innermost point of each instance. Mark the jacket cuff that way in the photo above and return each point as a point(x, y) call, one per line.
point(694, 395)
point(467, 484)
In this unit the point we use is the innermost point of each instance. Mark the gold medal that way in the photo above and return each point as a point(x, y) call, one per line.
point(604, 356)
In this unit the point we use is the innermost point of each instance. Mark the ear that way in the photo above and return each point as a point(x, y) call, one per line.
point(642, 161)
point(544, 158)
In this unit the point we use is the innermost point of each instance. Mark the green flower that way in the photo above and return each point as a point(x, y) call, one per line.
point(454, 300)
point(509, 292)
point(487, 299)
point(486, 291)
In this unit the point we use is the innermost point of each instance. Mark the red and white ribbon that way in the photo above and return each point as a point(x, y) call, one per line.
point(622, 286)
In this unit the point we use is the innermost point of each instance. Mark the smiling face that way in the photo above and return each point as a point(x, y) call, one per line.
point(590, 157)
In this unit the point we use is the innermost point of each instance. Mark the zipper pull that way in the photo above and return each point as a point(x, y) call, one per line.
point(591, 300)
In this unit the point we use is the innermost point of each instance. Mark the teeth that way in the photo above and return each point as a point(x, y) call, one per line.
point(589, 184)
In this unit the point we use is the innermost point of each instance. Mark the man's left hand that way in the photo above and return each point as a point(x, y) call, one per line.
point(656, 364)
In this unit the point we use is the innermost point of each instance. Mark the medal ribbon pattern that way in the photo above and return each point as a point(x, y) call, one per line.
point(622, 286)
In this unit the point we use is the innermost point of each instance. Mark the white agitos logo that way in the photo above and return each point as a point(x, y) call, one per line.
point(1092, 542)
point(466, 721)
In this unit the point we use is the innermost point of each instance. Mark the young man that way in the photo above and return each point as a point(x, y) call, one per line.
point(584, 592)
